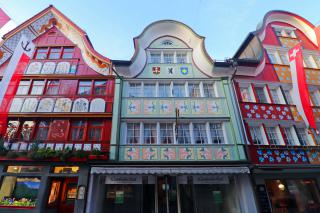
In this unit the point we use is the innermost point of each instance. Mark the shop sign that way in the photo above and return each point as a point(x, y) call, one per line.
point(123, 179)
point(210, 179)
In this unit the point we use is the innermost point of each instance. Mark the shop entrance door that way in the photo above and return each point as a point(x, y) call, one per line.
point(167, 194)
point(62, 195)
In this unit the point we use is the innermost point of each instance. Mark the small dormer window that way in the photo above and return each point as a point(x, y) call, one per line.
point(155, 58)
point(167, 42)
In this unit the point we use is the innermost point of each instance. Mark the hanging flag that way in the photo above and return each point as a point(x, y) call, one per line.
point(156, 70)
point(300, 87)
point(11, 78)
point(6, 24)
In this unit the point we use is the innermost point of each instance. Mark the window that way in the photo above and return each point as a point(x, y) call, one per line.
point(155, 58)
point(288, 136)
point(256, 135)
point(245, 95)
point(95, 131)
point(23, 87)
point(261, 95)
point(288, 97)
point(135, 90)
point(200, 134)
point(274, 95)
point(216, 133)
point(181, 58)
point(24, 190)
point(55, 53)
point(41, 53)
point(150, 133)
point(208, 90)
point(178, 90)
point(315, 98)
point(66, 169)
point(302, 136)
point(273, 136)
point(166, 133)
point(37, 87)
point(67, 52)
point(77, 130)
point(272, 58)
point(52, 87)
point(183, 134)
point(310, 62)
point(168, 58)
point(24, 169)
point(280, 32)
point(84, 88)
point(26, 130)
point(284, 59)
point(100, 87)
point(43, 129)
point(164, 90)
point(149, 90)
point(133, 133)
point(194, 90)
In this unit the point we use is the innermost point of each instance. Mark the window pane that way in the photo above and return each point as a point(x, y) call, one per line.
point(135, 90)
point(155, 58)
point(77, 130)
point(23, 88)
point(52, 87)
point(272, 136)
point(272, 58)
point(183, 134)
point(67, 52)
point(37, 87)
point(216, 133)
point(181, 58)
point(288, 136)
point(149, 90)
point(200, 133)
point(288, 97)
point(84, 88)
point(100, 87)
point(178, 90)
point(133, 133)
point(315, 98)
point(284, 59)
point(95, 130)
point(55, 53)
point(261, 95)
point(208, 90)
point(168, 58)
point(245, 95)
point(256, 135)
point(166, 133)
point(41, 53)
point(302, 136)
point(274, 95)
point(24, 169)
point(26, 130)
point(194, 90)
point(164, 90)
point(150, 133)
point(43, 129)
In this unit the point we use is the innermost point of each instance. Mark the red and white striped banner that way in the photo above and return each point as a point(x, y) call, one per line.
point(11, 78)
point(300, 87)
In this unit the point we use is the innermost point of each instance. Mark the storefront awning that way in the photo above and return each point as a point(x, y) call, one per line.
point(169, 171)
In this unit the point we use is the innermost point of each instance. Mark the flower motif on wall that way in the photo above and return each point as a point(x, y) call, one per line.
point(186, 153)
point(149, 153)
point(204, 153)
point(132, 153)
point(168, 153)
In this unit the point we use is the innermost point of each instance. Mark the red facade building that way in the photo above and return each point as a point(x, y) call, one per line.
point(59, 115)
point(284, 152)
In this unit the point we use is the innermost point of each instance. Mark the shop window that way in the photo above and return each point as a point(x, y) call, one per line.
point(66, 169)
point(272, 136)
point(288, 97)
point(41, 53)
point(216, 132)
point(183, 134)
point(84, 88)
point(181, 58)
point(23, 87)
point(150, 133)
point(133, 133)
point(302, 136)
point(149, 90)
point(256, 135)
point(24, 169)
point(168, 58)
point(164, 90)
point(261, 96)
point(166, 133)
point(37, 87)
point(95, 130)
point(100, 87)
point(155, 58)
point(200, 133)
point(42, 131)
point(178, 90)
point(77, 130)
point(194, 90)
point(53, 87)
point(288, 137)
point(26, 131)
point(67, 52)
point(275, 96)
point(208, 90)
point(245, 94)
point(19, 191)
point(12, 130)
point(135, 90)
point(293, 195)
point(55, 53)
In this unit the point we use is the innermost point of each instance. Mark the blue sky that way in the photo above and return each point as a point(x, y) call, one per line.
point(112, 24)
